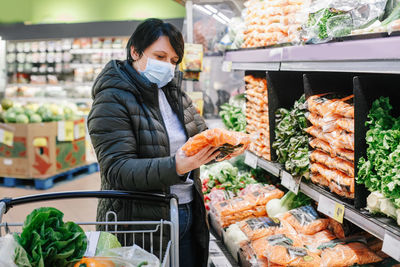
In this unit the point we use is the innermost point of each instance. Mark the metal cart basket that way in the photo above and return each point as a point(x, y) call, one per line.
point(150, 228)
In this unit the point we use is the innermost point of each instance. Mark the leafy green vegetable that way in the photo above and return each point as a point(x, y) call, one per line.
point(288, 202)
point(291, 141)
point(49, 241)
point(380, 171)
point(233, 115)
point(329, 22)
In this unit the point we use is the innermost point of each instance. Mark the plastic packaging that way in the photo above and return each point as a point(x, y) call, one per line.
point(264, 195)
point(229, 142)
point(346, 124)
point(333, 162)
point(338, 139)
point(12, 254)
point(326, 105)
point(256, 228)
point(283, 250)
point(305, 220)
point(317, 178)
point(327, 124)
point(232, 206)
point(324, 146)
point(131, 256)
point(338, 253)
point(312, 242)
point(334, 18)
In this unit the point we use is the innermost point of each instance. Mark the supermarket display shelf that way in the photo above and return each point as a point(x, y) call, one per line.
point(96, 50)
point(379, 55)
point(50, 98)
point(86, 65)
point(377, 226)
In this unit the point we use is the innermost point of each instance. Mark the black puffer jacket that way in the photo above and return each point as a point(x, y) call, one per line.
point(132, 145)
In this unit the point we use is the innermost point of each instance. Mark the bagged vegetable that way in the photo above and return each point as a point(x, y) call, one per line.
point(327, 124)
point(232, 206)
point(346, 124)
point(134, 255)
point(333, 163)
point(326, 105)
point(100, 241)
point(305, 220)
point(336, 178)
point(337, 139)
point(289, 201)
point(256, 228)
point(233, 238)
point(317, 178)
point(283, 250)
point(49, 241)
point(312, 242)
point(324, 146)
point(228, 142)
point(264, 195)
point(342, 252)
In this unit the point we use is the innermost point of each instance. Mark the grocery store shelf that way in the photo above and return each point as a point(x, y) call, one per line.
point(379, 55)
point(86, 65)
point(256, 66)
point(96, 50)
point(377, 226)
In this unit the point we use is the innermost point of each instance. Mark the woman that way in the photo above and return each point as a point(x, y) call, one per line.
point(139, 120)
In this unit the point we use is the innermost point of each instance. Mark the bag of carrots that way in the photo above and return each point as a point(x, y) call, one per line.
point(229, 143)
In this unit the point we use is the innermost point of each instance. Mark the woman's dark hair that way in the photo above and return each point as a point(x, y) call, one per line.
point(149, 31)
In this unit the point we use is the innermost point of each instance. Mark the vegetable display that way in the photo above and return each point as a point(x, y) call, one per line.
point(291, 141)
point(380, 170)
point(232, 114)
point(33, 113)
point(49, 241)
point(332, 130)
point(257, 116)
point(288, 202)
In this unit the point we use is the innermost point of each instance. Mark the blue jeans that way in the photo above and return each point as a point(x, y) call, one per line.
point(186, 248)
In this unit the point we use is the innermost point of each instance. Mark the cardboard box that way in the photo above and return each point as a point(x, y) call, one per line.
point(38, 152)
point(26, 160)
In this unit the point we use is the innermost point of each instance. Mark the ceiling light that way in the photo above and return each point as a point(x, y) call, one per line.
point(222, 16)
point(213, 10)
point(202, 9)
point(219, 19)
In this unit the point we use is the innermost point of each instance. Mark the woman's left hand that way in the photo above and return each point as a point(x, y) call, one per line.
point(186, 164)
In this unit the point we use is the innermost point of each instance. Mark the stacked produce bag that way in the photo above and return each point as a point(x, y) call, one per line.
point(379, 171)
point(332, 161)
point(257, 116)
point(273, 22)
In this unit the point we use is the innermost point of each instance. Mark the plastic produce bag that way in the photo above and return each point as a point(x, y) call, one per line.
point(134, 256)
point(305, 220)
point(229, 142)
point(333, 163)
point(324, 146)
point(264, 195)
point(12, 254)
point(334, 18)
point(312, 242)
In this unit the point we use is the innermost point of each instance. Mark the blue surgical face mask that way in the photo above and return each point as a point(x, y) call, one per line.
point(158, 72)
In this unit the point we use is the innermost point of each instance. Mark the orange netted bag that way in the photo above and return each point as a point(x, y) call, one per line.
point(305, 220)
point(347, 253)
point(229, 142)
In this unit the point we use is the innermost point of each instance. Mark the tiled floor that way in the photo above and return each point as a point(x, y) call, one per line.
point(77, 210)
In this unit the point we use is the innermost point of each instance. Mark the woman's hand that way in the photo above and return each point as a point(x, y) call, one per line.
point(186, 164)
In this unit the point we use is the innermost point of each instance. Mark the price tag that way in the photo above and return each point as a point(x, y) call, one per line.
point(251, 160)
point(290, 182)
point(6, 137)
point(79, 130)
point(331, 208)
point(391, 246)
point(65, 131)
point(227, 66)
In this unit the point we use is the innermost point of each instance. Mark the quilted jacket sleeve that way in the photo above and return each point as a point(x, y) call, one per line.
point(110, 129)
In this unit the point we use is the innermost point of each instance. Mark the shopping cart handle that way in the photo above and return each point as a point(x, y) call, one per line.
point(132, 195)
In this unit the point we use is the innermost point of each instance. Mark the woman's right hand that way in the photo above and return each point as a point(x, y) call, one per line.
point(186, 164)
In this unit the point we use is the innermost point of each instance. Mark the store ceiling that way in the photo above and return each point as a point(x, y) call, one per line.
point(236, 5)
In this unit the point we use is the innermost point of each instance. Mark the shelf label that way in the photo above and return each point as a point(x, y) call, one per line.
point(65, 131)
point(331, 208)
point(290, 182)
point(6, 137)
point(391, 246)
point(79, 130)
point(251, 160)
point(227, 66)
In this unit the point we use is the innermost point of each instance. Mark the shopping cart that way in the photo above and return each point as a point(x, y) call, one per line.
point(150, 228)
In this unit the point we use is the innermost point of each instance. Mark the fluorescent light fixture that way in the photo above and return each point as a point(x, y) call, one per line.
point(202, 9)
point(219, 19)
point(222, 16)
point(213, 10)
